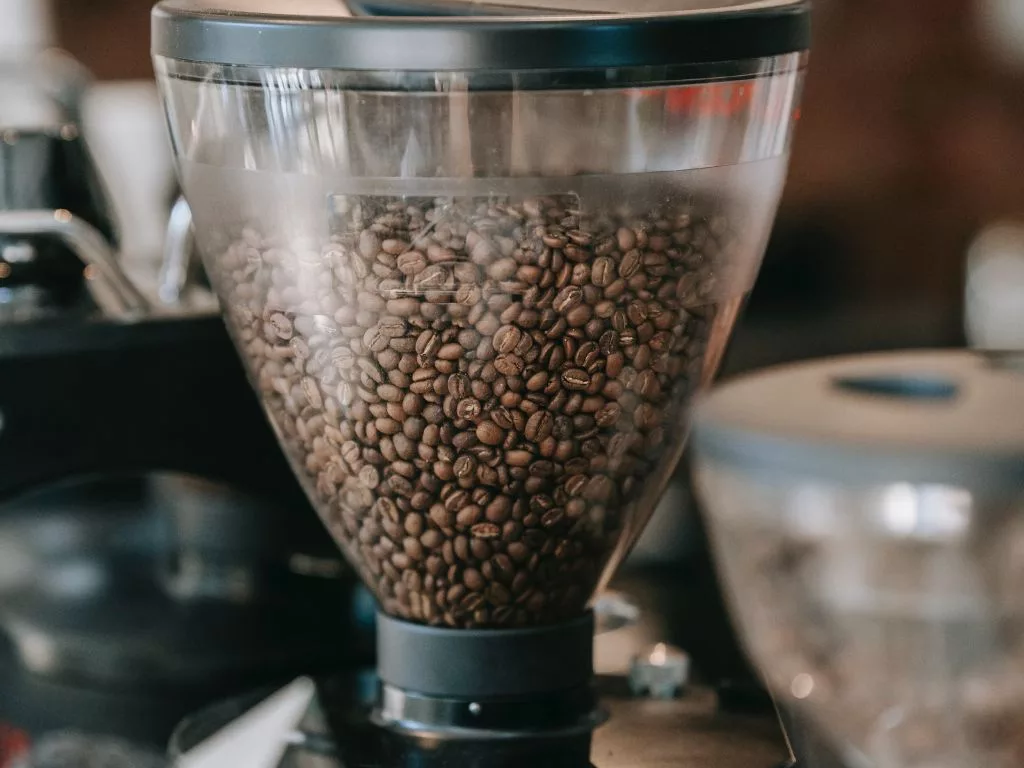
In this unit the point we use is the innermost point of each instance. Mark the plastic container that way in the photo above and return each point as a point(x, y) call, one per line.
point(866, 514)
point(477, 265)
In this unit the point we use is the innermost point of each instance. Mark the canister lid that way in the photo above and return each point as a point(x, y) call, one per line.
point(953, 418)
point(473, 35)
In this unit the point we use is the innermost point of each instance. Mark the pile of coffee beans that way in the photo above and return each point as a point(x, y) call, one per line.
point(477, 392)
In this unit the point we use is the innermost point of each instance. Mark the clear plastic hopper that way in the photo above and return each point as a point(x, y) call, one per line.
point(477, 266)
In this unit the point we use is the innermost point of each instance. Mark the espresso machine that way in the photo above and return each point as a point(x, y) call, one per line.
point(865, 513)
point(476, 259)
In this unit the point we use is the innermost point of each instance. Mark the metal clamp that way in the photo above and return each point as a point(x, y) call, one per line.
point(121, 298)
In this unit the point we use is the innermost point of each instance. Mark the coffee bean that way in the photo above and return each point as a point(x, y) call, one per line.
point(414, 525)
point(599, 488)
point(464, 467)
point(486, 531)
point(432, 539)
point(387, 426)
point(473, 579)
point(602, 272)
point(615, 289)
point(568, 299)
point(576, 379)
point(499, 509)
point(509, 365)
point(636, 312)
point(450, 352)
point(608, 416)
point(518, 459)
point(498, 594)
point(469, 409)
point(456, 501)
point(552, 518)
point(538, 381)
point(441, 516)
point(647, 385)
point(579, 316)
point(489, 433)
point(468, 516)
point(625, 239)
point(539, 426)
point(369, 477)
point(506, 339)
point(502, 417)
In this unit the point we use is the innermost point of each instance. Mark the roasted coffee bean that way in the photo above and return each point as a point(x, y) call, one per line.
point(486, 531)
point(506, 339)
point(468, 516)
point(539, 426)
point(576, 379)
point(636, 312)
point(469, 409)
point(499, 509)
point(473, 579)
point(498, 594)
point(602, 272)
point(489, 433)
point(509, 365)
point(568, 299)
point(481, 550)
point(609, 415)
point(502, 417)
point(464, 467)
point(518, 459)
point(369, 477)
point(458, 385)
point(478, 389)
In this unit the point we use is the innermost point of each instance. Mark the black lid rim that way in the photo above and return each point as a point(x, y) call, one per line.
point(452, 44)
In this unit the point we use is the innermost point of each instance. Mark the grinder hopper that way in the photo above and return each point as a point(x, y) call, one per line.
point(476, 266)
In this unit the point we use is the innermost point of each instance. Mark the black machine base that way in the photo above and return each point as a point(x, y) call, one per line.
point(641, 733)
point(487, 683)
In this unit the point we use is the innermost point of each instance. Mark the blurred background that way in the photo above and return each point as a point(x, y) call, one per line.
point(912, 142)
point(909, 149)
point(901, 227)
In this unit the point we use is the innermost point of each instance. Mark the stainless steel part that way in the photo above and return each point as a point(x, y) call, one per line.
point(58, 75)
point(111, 288)
point(69, 82)
point(557, 714)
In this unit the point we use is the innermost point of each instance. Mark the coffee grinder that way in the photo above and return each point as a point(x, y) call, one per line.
point(866, 518)
point(476, 259)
